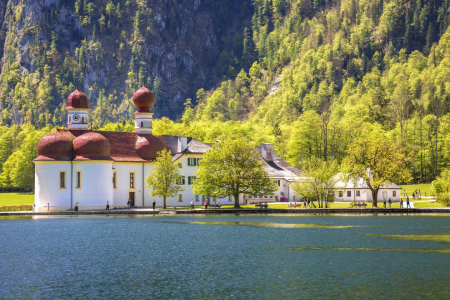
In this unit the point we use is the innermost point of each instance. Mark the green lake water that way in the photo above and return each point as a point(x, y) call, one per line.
point(225, 257)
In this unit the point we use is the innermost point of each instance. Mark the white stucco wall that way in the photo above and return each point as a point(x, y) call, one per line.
point(366, 195)
point(47, 188)
point(96, 184)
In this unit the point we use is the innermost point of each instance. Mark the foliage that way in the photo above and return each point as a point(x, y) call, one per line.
point(441, 187)
point(230, 168)
point(377, 161)
point(318, 181)
point(162, 179)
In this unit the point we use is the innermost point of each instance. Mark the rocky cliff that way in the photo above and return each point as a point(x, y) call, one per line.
point(108, 48)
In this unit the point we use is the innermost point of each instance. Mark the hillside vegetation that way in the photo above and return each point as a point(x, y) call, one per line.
point(309, 76)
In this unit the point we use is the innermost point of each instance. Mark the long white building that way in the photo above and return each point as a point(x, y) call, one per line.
point(93, 168)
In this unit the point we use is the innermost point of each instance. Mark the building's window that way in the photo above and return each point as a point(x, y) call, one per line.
point(203, 198)
point(181, 180)
point(132, 175)
point(70, 120)
point(266, 197)
point(115, 180)
point(214, 199)
point(180, 165)
point(78, 178)
point(277, 182)
point(230, 199)
point(191, 179)
point(197, 198)
point(294, 198)
point(62, 180)
point(358, 193)
point(82, 120)
point(276, 198)
point(193, 161)
point(180, 197)
point(349, 193)
point(142, 124)
point(394, 193)
point(341, 193)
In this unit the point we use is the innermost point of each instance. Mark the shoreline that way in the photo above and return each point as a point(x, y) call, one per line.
point(233, 211)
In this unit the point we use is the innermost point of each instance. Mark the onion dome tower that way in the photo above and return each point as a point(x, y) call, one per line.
point(143, 100)
point(91, 146)
point(77, 110)
point(55, 146)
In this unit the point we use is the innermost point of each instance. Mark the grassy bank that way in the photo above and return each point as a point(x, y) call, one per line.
point(16, 199)
point(410, 188)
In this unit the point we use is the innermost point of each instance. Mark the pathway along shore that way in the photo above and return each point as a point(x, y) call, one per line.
point(144, 211)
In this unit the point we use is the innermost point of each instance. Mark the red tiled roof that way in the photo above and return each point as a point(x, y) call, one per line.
point(122, 144)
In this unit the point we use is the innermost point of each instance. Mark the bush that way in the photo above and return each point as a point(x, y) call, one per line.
point(16, 208)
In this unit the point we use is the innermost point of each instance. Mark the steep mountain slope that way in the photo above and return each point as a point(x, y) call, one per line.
point(108, 47)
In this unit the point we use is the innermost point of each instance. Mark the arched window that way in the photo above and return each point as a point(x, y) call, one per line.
point(142, 124)
point(70, 120)
point(82, 120)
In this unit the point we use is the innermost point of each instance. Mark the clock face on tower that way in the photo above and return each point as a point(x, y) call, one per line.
point(76, 118)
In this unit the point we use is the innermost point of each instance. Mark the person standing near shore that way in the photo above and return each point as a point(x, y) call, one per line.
point(407, 202)
point(384, 202)
point(154, 204)
point(390, 202)
point(76, 207)
point(129, 204)
point(206, 205)
point(107, 205)
point(34, 206)
point(192, 203)
point(48, 206)
point(308, 203)
point(401, 202)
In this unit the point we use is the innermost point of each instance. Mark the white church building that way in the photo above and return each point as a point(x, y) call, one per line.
point(93, 168)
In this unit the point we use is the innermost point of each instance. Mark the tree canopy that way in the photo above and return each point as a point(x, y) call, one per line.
point(231, 168)
point(377, 161)
point(163, 178)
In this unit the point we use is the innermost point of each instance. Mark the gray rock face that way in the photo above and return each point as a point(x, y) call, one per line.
point(178, 41)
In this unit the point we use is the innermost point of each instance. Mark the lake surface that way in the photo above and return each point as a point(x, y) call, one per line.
point(225, 257)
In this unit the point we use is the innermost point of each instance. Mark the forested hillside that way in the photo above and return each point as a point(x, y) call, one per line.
point(310, 76)
point(107, 48)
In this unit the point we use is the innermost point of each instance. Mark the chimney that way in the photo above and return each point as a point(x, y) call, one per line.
point(267, 152)
point(182, 144)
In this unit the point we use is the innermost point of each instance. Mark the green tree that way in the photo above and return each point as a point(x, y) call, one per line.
point(163, 178)
point(440, 187)
point(318, 181)
point(377, 161)
point(230, 168)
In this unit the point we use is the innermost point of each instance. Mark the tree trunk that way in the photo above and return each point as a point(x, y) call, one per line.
point(164, 202)
point(236, 201)
point(375, 198)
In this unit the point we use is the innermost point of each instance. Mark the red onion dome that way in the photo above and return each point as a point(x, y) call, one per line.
point(148, 146)
point(55, 146)
point(77, 100)
point(144, 99)
point(92, 146)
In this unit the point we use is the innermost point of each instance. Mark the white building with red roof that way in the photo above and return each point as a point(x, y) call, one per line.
point(92, 168)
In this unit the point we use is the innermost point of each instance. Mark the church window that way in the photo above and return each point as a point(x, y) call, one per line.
point(82, 120)
point(62, 180)
point(142, 124)
point(181, 180)
point(180, 197)
point(341, 194)
point(230, 199)
point(349, 193)
point(115, 180)
point(197, 198)
point(132, 175)
point(70, 120)
point(78, 177)
point(191, 179)
point(193, 161)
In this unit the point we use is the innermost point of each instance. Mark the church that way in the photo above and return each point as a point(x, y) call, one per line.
point(93, 168)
